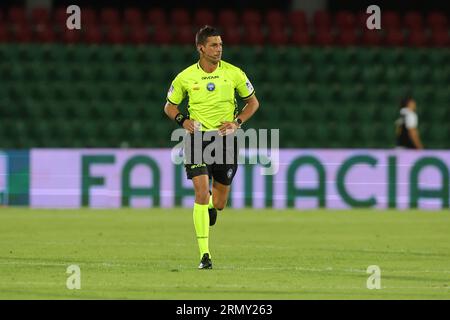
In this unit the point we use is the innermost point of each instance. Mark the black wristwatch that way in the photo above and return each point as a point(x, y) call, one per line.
point(238, 121)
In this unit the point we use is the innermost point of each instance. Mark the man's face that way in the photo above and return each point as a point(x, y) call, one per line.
point(212, 49)
point(412, 105)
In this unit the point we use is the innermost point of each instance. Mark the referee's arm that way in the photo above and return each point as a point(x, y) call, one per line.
point(252, 104)
point(171, 111)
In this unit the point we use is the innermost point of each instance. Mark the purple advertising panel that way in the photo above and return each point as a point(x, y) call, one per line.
point(300, 178)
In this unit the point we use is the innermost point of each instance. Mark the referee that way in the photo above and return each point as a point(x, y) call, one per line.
point(407, 131)
point(211, 86)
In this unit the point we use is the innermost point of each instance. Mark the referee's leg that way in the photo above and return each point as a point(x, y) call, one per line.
point(200, 213)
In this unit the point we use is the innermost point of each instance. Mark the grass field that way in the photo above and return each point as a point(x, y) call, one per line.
point(257, 254)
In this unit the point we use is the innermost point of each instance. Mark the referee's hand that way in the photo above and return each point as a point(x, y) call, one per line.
point(190, 125)
point(227, 127)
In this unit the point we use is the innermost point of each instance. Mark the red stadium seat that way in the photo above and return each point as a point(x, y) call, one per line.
point(115, 35)
point(22, 33)
point(40, 15)
point(132, 17)
point(275, 18)
point(251, 18)
point(361, 20)
point(347, 37)
point(413, 20)
point(390, 20)
point(93, 35)
point(345, 20)
point(184, 35)
point(417, 38)
point(156, 17)
point(1, 15)
point(297, 20)
point(138, 34)
point(394, 38)
point(232, 36)
point(227, 18)
point(437, 21)
point(60, 16)
point(3, 34)
point(17, 15)
point(110, 17)
point(203, 17)
point(180, 17)
point(372, 38)
point(440, 38)
point(88, 18)
point(70, 36)
point(322, 20)
point(324, 38)
point(300, 37)
point(254, 35)
point(44, 33)
point(278, 36)
point(162, 35)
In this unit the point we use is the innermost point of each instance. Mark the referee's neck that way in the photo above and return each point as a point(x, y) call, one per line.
point(207, 66)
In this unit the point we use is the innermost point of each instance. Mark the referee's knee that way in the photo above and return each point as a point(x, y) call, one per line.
point(202, 196)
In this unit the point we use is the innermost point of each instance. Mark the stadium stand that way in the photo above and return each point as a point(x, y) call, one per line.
point(105, 86)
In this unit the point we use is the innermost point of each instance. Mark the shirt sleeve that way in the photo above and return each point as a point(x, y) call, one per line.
point(411, 120)
point(243, 86)
point(176, 92)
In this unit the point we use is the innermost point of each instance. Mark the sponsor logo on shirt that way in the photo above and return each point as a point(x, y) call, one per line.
point(210, 77)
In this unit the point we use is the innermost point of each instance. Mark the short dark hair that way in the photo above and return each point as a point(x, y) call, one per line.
point(205, 32)
point(405, 100)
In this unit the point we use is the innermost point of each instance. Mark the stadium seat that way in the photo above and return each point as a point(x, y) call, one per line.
point(156, 17)
point(275, 19)
point(232, 35)
point(297, 20)
point(93, 35)
point(254, 35)
point(300, 37)
point(372, 38)
point(345, 20)
point(184, 35)
point(440, 38)
point(133, 17)
point(40, 16)
point(324, 37)
point(227, 18)
point(322, 20)
point(115, 35)
point(394, 37)
point(437, 21)
point(203, 17)
point(278, 36)
point(413, 21)
point(347, 37)
point(390, 20)
point(17, 15)
point(251, 18)
point(417, 38)
point(161, 35)
point(180, 17)
point(138, 34)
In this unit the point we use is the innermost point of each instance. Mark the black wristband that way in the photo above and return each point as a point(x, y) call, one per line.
point(180, 118)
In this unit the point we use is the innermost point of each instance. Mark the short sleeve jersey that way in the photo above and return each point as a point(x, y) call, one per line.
point(410, 118)
point(211, 96)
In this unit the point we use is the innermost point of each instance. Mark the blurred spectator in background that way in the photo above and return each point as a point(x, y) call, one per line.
point(407, 131)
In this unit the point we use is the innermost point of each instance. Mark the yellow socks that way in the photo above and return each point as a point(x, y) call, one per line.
point(201, 223)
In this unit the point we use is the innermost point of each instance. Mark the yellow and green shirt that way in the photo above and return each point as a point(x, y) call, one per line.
point(211, 95)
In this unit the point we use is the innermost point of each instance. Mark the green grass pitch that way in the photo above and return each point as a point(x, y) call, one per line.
point(257, 254)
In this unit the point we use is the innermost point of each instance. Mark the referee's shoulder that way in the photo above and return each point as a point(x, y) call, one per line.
point(187, 70)
point(229, 66)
